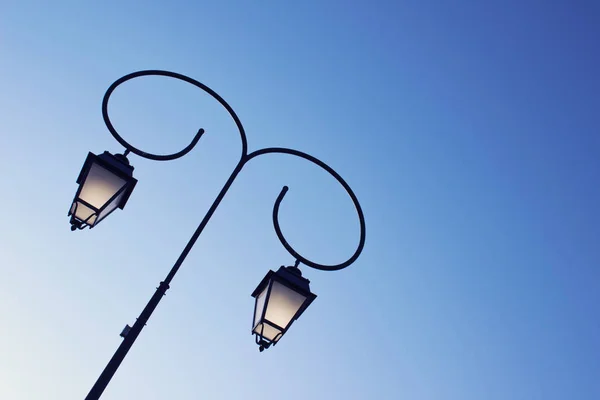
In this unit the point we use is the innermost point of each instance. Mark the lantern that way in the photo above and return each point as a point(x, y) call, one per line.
point(105, 183)
point(281, 297)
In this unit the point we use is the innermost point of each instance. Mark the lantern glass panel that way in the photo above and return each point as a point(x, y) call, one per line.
point(83, 212)
point(268, 332)
point(260, 305)
point(112, 206)
point(283, 304)
point(100, 186)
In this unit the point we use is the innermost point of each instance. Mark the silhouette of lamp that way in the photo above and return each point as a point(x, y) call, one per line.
point(105, 183)
point(281, 297)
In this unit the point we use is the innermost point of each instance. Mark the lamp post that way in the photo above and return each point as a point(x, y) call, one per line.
point(106, 182)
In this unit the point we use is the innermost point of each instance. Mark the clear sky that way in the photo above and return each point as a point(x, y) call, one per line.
point(468, 130)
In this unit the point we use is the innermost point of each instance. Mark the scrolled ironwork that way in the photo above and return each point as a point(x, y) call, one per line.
point(161, 290)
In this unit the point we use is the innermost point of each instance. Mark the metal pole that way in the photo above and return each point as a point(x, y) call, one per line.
point(128, 341)
point(131, 336)
point(117, 358)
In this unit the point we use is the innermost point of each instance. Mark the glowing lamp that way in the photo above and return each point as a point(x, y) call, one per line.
point(281, 297)
point(105, 183)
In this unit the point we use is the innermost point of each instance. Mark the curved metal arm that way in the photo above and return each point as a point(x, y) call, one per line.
point(196, 138)
point(161, 290)
point(245, 157)
point(337, 176)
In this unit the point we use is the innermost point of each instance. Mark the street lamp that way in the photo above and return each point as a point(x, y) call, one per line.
point(281, 297)
point(106, 182)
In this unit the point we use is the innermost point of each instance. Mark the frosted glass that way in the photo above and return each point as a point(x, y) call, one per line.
point(83, 212)
point(111, 207)
point(283, 305)
point(260, 305)
point(99, 186)
point(269, 332)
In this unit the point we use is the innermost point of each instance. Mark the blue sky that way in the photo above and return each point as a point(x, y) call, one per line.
point(468, 131)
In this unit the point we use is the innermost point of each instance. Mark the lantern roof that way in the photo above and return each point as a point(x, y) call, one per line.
point(116, 163)
point(291, 276)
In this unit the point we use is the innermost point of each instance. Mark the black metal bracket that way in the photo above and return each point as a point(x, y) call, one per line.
point(135, 330)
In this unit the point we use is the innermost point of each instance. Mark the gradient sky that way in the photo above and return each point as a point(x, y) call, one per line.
point(468, 130)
